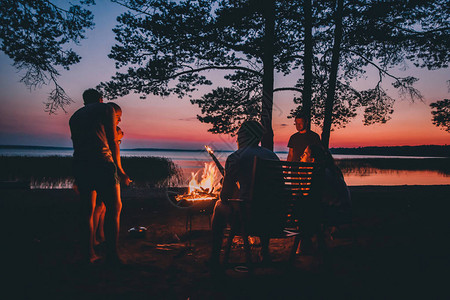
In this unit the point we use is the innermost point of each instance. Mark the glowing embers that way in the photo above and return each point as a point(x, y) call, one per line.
point(205, 187)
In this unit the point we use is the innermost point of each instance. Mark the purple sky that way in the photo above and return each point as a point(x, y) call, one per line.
point(171, 122)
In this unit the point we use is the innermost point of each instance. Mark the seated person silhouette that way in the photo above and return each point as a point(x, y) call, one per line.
point(238, 175)
point(335, 196)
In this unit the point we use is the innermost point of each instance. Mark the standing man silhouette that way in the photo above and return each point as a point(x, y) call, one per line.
point(97, 168)
point(298, 143)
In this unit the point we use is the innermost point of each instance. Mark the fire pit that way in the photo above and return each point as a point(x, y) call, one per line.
point(202, 192)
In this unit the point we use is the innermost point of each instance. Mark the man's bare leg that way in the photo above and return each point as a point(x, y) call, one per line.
point(99, 220)
point(265, 254)
point(88, 204)
point(221, 215)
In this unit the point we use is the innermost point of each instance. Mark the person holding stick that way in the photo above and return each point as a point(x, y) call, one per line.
point(238, 176)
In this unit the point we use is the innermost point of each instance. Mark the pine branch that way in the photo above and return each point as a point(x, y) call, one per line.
point(288, 89)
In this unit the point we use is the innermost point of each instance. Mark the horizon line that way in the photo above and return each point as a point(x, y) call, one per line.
point(196, 150)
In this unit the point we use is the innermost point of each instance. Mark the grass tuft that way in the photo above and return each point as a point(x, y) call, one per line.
point(52, 170)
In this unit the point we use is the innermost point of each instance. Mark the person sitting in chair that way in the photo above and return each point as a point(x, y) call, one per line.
point(237, 181)
point(335, 198)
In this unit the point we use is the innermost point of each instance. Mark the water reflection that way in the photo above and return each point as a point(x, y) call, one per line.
point(357, 175)
point(369, 176)
point(372, 176)
point(357, 171)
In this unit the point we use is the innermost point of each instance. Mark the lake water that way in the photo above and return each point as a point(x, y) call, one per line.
point(192, 161)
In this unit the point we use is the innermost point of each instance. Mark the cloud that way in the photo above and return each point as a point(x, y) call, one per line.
point(188, 119)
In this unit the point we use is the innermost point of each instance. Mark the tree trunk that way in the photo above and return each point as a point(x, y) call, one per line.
point(329, 102)
point(267, 102)
point(307, 62)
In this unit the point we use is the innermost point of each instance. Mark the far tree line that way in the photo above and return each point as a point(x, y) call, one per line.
point(167, 47)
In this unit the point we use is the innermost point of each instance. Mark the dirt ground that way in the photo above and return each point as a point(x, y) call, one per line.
point(400, 251)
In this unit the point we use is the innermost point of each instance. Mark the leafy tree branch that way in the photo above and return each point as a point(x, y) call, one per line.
point(36, 35)
point(441, 114)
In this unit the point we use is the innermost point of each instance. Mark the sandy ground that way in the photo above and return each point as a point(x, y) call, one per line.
point(400, 251)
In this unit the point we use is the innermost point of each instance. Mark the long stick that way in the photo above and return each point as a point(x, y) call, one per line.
point(218, 165)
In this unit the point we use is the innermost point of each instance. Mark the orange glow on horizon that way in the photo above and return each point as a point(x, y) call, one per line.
point(172, 123)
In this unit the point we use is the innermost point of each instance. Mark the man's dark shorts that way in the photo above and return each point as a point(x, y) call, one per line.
point(98, 175)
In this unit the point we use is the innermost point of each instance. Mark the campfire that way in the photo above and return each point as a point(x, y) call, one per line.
point(205, 184)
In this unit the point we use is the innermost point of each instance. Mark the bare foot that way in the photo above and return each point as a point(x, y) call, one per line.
point(94, 258)
point(98, 241)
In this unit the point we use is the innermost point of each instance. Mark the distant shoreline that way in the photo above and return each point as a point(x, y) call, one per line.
point(423, 150)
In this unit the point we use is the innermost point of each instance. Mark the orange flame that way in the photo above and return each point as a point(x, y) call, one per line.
point(207, 188)
point(209, 181)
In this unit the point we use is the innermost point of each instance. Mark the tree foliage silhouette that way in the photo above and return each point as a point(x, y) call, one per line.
point(378, 34)
point(36, 35)
point(441, 114)
point(168, 48)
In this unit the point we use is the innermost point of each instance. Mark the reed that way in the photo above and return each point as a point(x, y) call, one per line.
point(52, 170)
point(440, 165)
point(152, 171)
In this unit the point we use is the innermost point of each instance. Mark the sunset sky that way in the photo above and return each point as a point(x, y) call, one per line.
point(172, 123)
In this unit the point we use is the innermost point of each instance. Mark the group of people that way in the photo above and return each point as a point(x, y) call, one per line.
point(304, 146)
point(98, 172)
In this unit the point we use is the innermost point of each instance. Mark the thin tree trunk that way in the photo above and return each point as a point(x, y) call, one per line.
point(267, 103)
point(307, 62)
point(329, 102)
